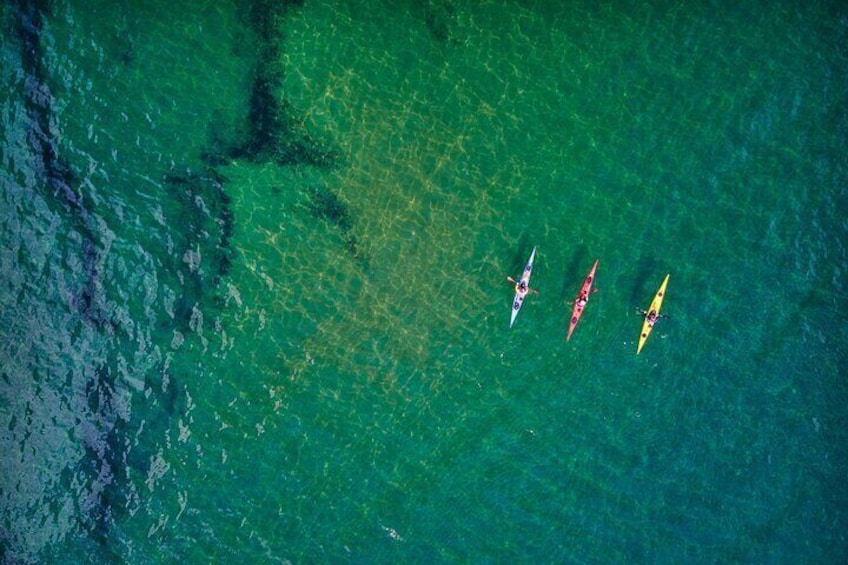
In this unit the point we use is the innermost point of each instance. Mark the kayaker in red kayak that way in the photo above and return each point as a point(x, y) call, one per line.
point(583, 298)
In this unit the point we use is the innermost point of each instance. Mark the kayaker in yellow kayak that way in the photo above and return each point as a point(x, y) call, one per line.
point(652, 316)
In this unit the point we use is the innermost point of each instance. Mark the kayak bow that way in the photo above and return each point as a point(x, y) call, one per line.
point(656, 304)
point(520, 295)
point(579, 304)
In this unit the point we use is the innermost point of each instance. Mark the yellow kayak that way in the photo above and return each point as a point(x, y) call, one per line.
point(652, 314)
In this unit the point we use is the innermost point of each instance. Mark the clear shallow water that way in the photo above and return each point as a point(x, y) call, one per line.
point(267, 318)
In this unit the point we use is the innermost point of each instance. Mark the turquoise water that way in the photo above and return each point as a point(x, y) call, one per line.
point(253, 297)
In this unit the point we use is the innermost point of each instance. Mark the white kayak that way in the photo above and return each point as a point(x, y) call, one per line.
point(522, 288)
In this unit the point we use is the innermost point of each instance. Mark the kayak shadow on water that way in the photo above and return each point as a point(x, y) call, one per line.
point(573, 275)
point(645, 283)
point(522, 253)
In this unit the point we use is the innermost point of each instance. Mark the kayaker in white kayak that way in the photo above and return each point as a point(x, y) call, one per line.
point(521, 287)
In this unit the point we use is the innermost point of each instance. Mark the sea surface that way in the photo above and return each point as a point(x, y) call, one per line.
point(254, 298)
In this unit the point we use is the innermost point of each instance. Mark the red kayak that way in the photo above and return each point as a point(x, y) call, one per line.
point(581, 300)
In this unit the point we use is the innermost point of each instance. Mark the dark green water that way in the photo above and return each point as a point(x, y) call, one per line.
point(253, 297)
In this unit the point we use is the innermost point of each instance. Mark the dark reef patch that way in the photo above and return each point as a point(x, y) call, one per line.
point(105, 454)
point(274, 132)
point(114, 462)
point(117, 424)
point(219, 146)
point(206, 223)
point(90, 299)
point(324, 204)
point(265, 17)
point(438, 17)
point(208, 210)
point(56, 179)
point(38, 100)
